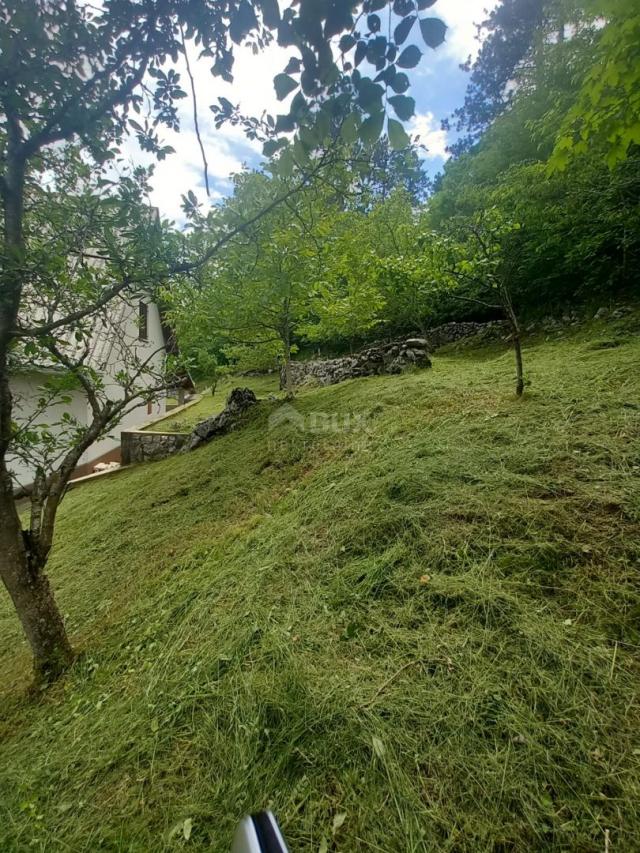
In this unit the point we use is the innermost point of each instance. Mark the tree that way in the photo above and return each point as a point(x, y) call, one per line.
point(364, 279)
point(77, 73)
point(256, 296)
point(605, 117)
point(508, 36)
point(580, 234)
point(476, 263)
point(81, 238)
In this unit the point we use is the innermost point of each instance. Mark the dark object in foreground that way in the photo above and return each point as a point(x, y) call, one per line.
point(259, 833)
point(238, 401)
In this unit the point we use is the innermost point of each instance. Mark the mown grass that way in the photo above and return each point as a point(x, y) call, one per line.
point(422, 632)
point(212, 404)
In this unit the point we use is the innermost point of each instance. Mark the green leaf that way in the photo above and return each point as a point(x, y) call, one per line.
point(285, 124)
point(425, 4)
point(293, 65)
point(433, 31)
point(403, 7)
point(378, 746)
point(271, 146)
point(370, 95)
point(371, 128)
point(349, 129)
point(361, 51)
point(404, 106)
point(400, 83)
point(284, 85)
point(409, 57)
point(346, 42)
point(242, 22)
point(387, 75)
point(404, 28)
point(338, 821)
point(301, 149)
point(270, 13)
point(187, 828)
point(286, 163)
point(397, 135)
point(338, 20)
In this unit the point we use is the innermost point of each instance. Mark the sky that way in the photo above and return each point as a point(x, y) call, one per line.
point(437, 84)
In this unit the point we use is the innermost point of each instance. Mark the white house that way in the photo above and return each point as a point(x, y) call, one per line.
point(129, 329)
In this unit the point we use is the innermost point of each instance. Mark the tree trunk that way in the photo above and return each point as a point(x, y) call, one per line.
point(28, 586)
point(21, 568)
point(519, 371)
point(288, 380)
point(515, 336)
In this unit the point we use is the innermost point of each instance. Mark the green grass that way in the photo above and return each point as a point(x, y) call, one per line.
point(212, 404)
point(423, 632)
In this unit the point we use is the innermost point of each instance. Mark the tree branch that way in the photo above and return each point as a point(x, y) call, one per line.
point(75, 316)
point(195, 111)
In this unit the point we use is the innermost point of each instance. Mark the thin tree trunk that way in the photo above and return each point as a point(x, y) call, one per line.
point(288, 379)
point(29, 588)
point(517, 346)
point(515, 337)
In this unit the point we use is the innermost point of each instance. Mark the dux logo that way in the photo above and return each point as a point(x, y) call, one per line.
point(286, 415)
point(316, 421)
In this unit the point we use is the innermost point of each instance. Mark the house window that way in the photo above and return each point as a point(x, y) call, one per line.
point(143, 322)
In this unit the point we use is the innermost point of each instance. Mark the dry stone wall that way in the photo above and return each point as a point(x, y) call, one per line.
point(389, 357)
point(140, 446)
point(238, 401)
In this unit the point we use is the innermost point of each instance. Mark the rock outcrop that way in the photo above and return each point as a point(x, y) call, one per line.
point(238, 401)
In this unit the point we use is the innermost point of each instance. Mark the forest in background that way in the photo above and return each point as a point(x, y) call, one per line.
point(536, 210)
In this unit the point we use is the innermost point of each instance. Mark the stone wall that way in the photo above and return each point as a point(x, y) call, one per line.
point(376, 359)
point(388, 356)
point(238, 401)
point(449, 333)
point(140, 446)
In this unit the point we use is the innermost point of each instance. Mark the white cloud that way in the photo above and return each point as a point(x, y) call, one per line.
point(431, 135)
point(226, 149)
point(252, 89)
point(461, 16)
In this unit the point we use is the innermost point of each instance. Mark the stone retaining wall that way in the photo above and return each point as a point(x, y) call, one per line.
point(141, 446)
point(388, 357)
point(449, 333)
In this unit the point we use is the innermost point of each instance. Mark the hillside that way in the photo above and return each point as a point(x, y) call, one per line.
point(417, 634)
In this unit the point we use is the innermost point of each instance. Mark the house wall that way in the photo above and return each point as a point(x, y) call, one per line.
point(25, 392)
point(108, 355)
point(111, 342)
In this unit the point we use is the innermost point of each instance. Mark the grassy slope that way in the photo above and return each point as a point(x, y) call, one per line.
point(256, 632)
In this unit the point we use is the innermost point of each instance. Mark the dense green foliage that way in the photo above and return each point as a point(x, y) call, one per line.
point(365, 263)
point(427, 625)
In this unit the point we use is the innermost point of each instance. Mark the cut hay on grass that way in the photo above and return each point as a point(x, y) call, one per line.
point(421, 634)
